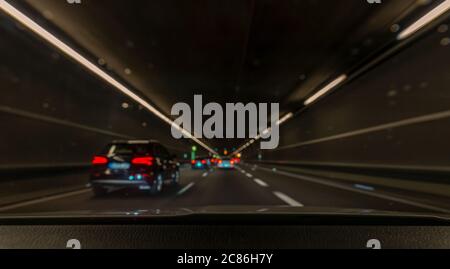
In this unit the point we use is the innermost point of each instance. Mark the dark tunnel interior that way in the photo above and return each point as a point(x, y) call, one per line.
point(377, 140)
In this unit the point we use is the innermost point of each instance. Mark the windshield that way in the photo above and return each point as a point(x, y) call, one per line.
point(110, 106)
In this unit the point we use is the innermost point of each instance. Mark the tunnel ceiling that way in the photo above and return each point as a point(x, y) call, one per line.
point(229, 51)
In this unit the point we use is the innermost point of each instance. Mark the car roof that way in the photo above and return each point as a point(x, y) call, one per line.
point(135, 142)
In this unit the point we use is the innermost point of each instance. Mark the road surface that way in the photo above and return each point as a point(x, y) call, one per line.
point(248, 185)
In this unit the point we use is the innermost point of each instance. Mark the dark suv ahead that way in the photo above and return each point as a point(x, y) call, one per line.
point(143, 165)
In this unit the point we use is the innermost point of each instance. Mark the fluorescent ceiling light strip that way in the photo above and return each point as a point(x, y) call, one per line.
point(285, 118)
point(30, 24)
point(426, 19)
point(265, 132)
point(416, 26)
point(326, 89)
point(309, 101)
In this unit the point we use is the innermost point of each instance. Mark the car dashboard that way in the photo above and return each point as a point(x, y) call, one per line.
point(226, 231)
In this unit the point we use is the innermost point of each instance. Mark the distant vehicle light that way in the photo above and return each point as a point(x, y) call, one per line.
point(147, 161)
point(99, 160)
point(193, 161)
point(203, 161)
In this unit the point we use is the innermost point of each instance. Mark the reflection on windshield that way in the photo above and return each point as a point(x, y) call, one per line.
point(89, 94)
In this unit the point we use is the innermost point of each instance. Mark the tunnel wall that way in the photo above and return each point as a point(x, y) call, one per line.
point(53, 112)
point(410, 85)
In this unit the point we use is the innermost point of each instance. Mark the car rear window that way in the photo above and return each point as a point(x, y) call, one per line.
point(127, 149)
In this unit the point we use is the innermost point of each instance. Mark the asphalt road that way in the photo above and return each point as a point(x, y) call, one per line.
point(247, 185)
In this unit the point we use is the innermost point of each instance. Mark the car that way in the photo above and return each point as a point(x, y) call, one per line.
point(200, 163)
point(226, 163)
point(144, 165)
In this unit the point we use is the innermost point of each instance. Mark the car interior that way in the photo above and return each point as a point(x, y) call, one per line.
point(225, 125)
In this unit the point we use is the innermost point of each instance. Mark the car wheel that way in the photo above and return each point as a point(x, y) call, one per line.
point(157, 185)
point(100, 191)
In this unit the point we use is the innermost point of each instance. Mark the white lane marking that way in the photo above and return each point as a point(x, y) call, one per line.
point(185, 189)
point(45, 199)
point(364, 187)
point(249, 175)
point(261, 183)
point(347, 188)
point(288, 200)
point(205, 174)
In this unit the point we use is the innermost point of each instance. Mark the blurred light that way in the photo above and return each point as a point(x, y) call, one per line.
point(426, 19)
point(326, 89)
point(148, 161)
point(263, 133)
point(128, 71)
point(39, 30)
point(285, 118)
point(99, 160)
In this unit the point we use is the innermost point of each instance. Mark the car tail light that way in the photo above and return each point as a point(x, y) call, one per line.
point(203, 161)
point(193, 161)
point(147, 161)
point(220, 161)
point(232, 162)
point(99, 160)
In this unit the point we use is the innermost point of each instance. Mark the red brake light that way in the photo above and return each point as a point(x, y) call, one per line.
point(99, 160)
point(220, 161)
point(148, 161)
point(203, 161)
point(232, 162)
point(193, 161)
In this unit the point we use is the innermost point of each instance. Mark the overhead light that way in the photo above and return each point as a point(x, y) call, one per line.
point(263, 133)
point(285, 118)
point(326, 89)
point(426, 19)
point(289, 115)
point(266, 131)
point(50, 38)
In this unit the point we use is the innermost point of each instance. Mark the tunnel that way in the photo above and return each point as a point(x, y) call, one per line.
point(362, 104)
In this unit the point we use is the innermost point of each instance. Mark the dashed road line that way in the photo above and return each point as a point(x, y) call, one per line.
point(352, 189)
point(185, 189)
point(249, 175)
point(261, 183)
point(288, 200)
